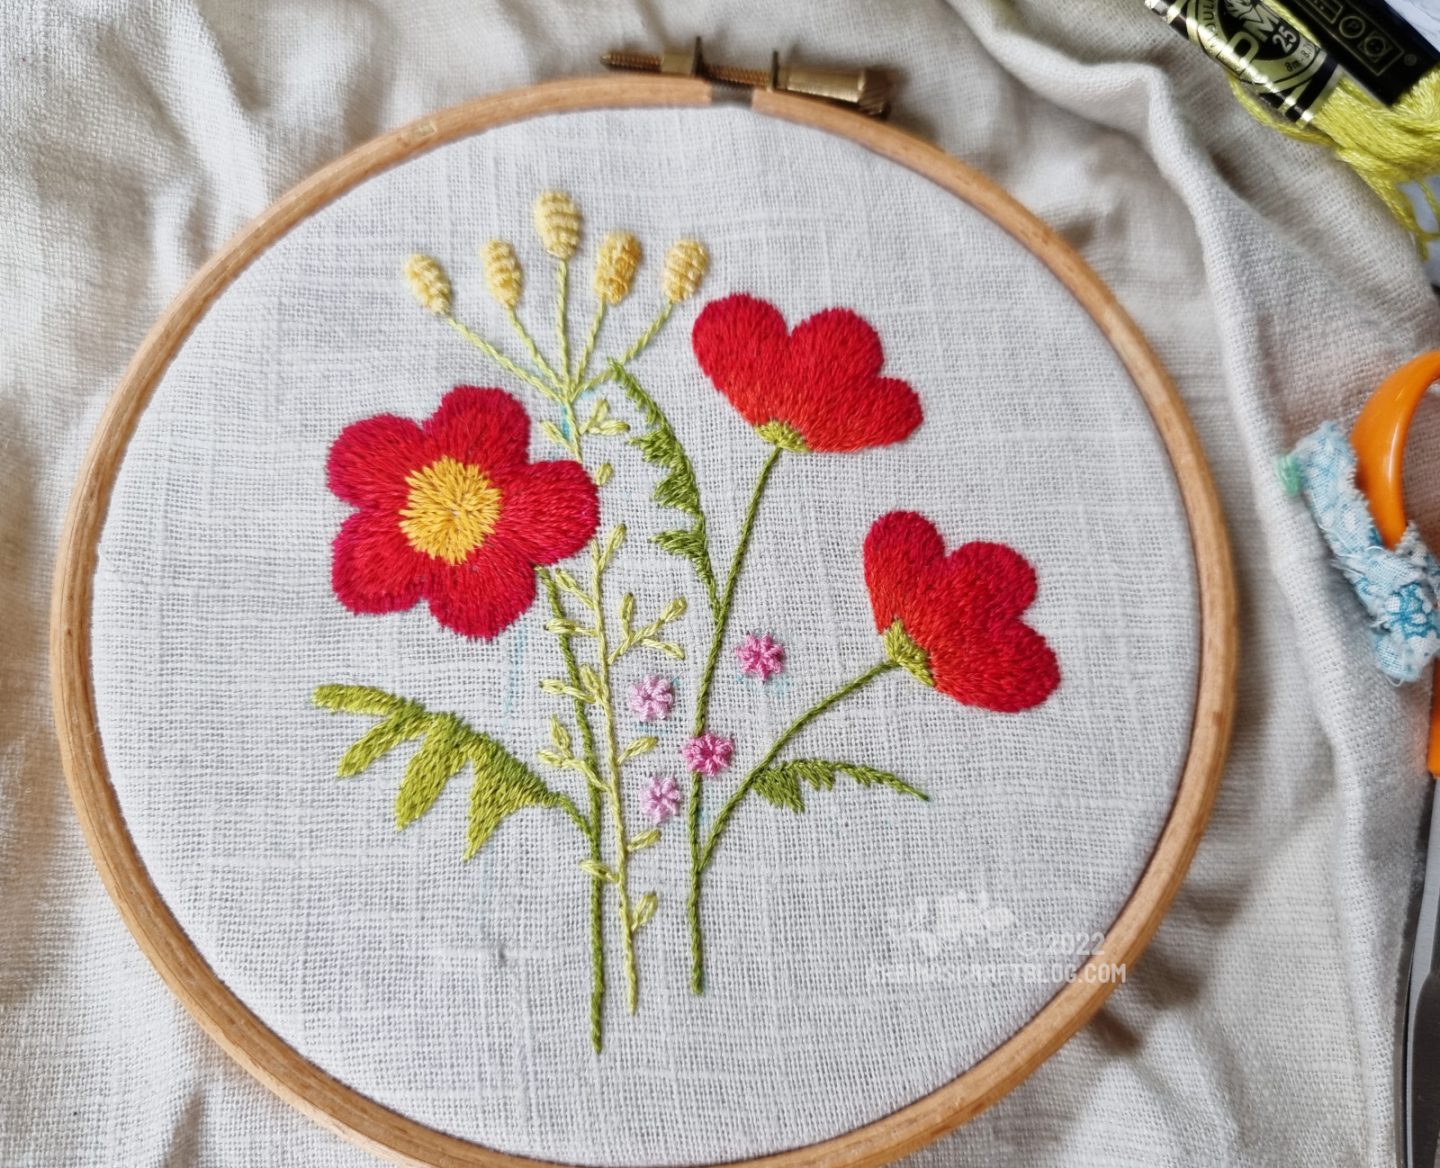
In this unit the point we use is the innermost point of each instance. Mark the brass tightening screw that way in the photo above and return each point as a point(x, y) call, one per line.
point(868, 90)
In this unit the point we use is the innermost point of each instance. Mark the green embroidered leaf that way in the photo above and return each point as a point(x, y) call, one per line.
point(598, 870)
point(361, 699)
point(644, 911)
point(640, 746)
point(646, 839)
point(780, 784)
point(503, 786)
point(440, 758)
point(679, 489)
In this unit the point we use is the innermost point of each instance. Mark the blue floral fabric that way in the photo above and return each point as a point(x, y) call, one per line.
point(1398, 586)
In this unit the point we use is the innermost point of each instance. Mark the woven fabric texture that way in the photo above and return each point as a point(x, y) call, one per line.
point(842, 983)
point(1259, 1027)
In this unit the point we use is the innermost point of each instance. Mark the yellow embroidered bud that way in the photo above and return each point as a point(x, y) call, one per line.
point(502, 273)
point(557, 219)
point(428, 283)
point(615, 266)
point(685, 265)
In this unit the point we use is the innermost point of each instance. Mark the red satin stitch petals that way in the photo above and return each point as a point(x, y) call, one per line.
point(453, 512)
point(821, 380)
point(962, 610)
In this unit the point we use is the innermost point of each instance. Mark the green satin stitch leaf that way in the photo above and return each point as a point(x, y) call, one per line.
point(440, 758)
point(362, 699)
point(780, 784)
point(503, 786)
point(679, 489)
point(380, 740)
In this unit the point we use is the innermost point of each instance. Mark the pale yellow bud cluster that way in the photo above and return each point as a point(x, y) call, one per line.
point(428, 283)
point(502, 273)
point(557, 220)
point(615, 266)
point(685, 265)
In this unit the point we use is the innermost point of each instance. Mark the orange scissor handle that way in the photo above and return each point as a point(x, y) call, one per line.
point(1379, 440)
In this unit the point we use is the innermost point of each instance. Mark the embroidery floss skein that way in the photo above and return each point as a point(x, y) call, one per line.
point(1276, 67)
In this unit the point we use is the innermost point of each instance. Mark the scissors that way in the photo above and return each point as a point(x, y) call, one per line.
point(1379, 440)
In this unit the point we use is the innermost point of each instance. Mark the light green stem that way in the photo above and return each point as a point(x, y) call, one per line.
point(562, 305)
point(723, 819)
point(612, 758)
point(702, 715)
point(582, 366)
point(537, 357)
point(500, 359)
point(596, 824)
point(642, 342)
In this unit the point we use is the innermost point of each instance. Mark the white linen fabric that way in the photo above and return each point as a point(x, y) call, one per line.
point(1259, 1026)
point(842, 981)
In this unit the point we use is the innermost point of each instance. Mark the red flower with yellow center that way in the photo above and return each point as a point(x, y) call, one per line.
point(816, 388)
point(953, 621)
point(454, 512)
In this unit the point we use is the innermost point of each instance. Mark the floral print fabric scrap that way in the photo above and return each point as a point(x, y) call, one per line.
point(1397, 587)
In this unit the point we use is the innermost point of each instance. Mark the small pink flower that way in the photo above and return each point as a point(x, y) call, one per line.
point(651, 699)
point(662, 800)
point(761, 656)
point(708, 754)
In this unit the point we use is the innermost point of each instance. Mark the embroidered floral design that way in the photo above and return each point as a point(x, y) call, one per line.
point(708, 754)
point(816, 388)
point(662, 798)
point(651, 698)
point(452, 511)
point(760, 656)
point(953, 621)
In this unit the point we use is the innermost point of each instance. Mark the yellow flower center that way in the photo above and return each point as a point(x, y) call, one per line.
point(451, 509)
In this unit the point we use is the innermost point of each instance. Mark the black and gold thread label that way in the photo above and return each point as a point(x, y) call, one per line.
point(1374, 45)
point(1260, 47)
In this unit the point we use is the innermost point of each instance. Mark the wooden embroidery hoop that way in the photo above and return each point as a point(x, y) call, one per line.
point(392, 1135)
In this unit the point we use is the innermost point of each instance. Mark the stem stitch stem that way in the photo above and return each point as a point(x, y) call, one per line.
point(722, 820)
point(596, 820)
point(702, 714)
point(500, 359)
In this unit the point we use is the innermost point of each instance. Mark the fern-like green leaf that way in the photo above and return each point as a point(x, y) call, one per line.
point(780, 784)
point(361, 699)
point(440, 758)
point(678, 490)
point(503, 786)
point(400, 721)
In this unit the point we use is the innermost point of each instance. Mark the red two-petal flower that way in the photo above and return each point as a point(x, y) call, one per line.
point(453, 511)
point(954, 620)
point(816, 388)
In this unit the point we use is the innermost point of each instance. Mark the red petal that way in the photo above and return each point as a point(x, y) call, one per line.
point(1010, 670)
point(484, 595)
point(740, 343)
point(481, 427)
point(549, 511)
point(899, 548)
point(369, 461)
point(839, 403)
point(374, 568)
point(964, 611)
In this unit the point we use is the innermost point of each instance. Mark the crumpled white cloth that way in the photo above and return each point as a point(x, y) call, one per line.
point(1259, 1027)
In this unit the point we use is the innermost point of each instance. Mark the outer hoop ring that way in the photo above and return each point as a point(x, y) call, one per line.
point(387, 1133)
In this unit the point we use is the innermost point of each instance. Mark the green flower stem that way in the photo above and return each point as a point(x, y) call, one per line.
point(537, 357)
point(722, 820)
point(582, 366)
point(642, 342)
point(562, 304)
point(595, 822)
point(702, 714)
point(612, 758)
point(500, 359)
